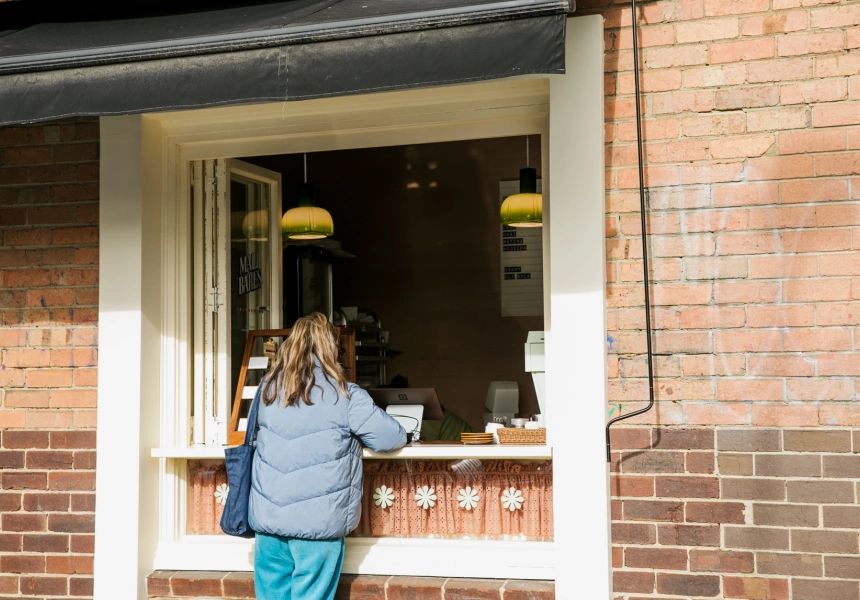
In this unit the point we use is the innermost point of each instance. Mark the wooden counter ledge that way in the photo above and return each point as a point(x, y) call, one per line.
point(432, 451)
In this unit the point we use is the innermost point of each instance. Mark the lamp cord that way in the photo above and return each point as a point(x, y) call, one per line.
point(527, 152)
point(644, 242)
point(306, 167)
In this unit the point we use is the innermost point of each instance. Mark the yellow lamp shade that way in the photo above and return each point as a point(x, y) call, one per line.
point(307, 223)
point(256, 224)
point(526, 208)
point(523, 210)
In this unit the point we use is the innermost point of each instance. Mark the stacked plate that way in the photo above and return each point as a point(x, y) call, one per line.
point(476, 438)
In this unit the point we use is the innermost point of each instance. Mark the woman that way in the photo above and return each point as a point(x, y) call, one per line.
point(307, 477)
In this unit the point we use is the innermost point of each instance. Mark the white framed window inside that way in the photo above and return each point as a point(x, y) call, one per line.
point(236, 231)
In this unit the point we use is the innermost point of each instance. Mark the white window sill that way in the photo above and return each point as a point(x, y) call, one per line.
point(495, 559)
point(416, 451)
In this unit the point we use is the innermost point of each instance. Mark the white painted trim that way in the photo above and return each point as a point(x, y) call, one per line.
point(129, 340)
point(146, 303)
point(576, 372)
point(508, 559)
point(426, 452)
point(427, 557)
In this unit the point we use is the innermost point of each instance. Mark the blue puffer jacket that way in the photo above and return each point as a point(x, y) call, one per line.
point(307, 477)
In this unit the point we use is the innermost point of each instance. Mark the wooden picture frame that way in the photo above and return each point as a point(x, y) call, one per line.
point(346, 335)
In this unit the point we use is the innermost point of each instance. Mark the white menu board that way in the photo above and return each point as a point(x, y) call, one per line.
point(522, 263)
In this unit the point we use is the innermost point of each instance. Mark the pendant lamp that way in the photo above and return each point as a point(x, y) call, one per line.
point(526, 208)
point(306, 221)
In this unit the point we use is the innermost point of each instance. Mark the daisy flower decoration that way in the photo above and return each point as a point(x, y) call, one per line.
point(426, 497)
point(512, 499)
point(384, 497)
point(468, 498)
point(221, 493)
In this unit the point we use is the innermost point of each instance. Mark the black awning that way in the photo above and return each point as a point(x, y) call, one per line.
point(275, 51)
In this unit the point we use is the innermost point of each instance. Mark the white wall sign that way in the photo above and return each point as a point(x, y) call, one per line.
point(522, 263)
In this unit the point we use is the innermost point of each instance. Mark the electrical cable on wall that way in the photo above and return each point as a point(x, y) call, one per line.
point(644, 242)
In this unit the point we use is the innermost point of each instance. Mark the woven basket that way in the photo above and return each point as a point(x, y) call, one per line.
point(522, 436)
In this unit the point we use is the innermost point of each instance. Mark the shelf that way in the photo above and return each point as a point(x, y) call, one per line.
point(415, 451)
point(385, 345)
point(371, 359)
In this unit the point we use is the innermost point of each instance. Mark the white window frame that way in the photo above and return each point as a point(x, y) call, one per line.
point(210, 201)
point(145, 315)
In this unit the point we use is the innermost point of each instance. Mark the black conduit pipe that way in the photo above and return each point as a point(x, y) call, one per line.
point(644, 243)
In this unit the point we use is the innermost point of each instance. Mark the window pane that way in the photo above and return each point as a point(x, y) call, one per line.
point(250, 271)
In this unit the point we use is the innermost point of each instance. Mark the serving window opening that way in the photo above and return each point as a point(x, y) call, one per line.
point(439, 307)
point(440, 294)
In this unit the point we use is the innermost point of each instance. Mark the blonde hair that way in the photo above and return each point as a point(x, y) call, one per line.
point(293, 370)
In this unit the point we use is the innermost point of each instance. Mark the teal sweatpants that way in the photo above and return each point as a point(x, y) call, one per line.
point(294, 569)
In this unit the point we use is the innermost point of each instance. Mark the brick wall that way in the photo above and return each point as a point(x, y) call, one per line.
point(49, 306)
point(743, 482)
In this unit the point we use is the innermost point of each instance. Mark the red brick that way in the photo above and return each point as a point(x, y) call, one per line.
point(802, 142)
point(688, 535)
point(810, 43)
point(812, 290)
point(71, 565)
point(713, 125)
point(687, 487)
point(48, 586)
point(717, 561)
point(716, 220)
point(741, 146)
point(729, 52)
point(633, 533)
point(73, 439)
point(641, 582)
point(9, 542)
point(631, 486)
point(755, 588)
point(22, 522)
point(780, 167)
point(32, 155)
point(816, 589)
point(688, 585)
point(716, 414)
point(66, 523)
point(50, 502)
point(814, 190)
point(839, 364)
point(648, 510)
point(778, 119)
point(712, 318)
point(656, 558)
point(786, 69)
point(676, 102)
point(782, 22)
point(748, 341)
point(46, 543)
point(746, 292)
point(25, 439)
point(784, 415)
point(71, 480)
point(22, 564)
point(25, 480)
point(655, 81)
point(81, 586)
point(838, 164)
point(806, 340)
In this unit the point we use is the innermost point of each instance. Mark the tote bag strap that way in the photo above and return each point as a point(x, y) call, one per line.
point(251, 431)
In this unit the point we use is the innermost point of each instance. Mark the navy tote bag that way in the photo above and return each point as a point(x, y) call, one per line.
point(239, 462)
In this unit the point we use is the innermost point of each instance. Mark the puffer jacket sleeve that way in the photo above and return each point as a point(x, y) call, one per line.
point(373, 426)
